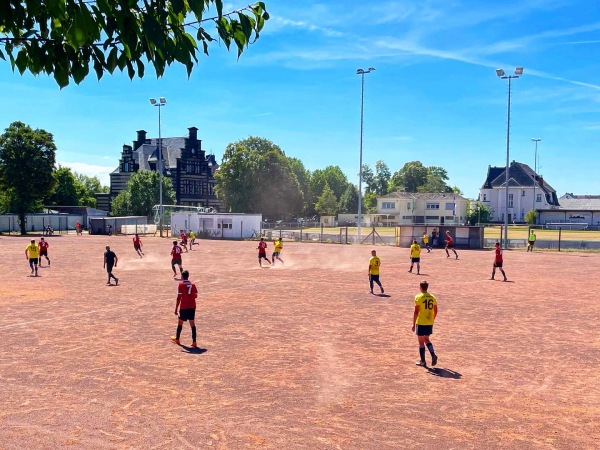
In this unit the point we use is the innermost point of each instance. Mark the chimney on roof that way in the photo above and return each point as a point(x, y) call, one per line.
point(193, 134)
point(541, 180)
point(141, 136)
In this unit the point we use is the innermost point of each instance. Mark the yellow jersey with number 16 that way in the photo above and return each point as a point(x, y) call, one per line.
point(425, 302)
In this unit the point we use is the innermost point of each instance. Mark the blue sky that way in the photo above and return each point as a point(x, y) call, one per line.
point(434, 96)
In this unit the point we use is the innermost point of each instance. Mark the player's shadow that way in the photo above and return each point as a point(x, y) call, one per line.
point(382, 295)
point(192, 350)
point(444, 373)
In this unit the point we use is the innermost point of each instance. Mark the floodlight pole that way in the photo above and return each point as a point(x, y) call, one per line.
point(536, 140)
point(501, 74)
point(161, 102)
point(362, 73)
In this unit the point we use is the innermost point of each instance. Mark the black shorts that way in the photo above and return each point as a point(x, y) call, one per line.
point(137, 247)
point(176, 262)
point(33, 260)
point(109, 267)
point(415, 260)
point(275, 254)
point(43, 253)
point(498, 264)
point(374, 278)
point(187, 314)
point(262, 256)
point(449, 245)
point(531, 243)
point(424, 330)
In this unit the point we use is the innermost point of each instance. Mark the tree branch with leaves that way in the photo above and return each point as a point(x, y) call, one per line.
point(64, 38)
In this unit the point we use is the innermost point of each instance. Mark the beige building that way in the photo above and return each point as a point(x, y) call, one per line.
point(408, 208)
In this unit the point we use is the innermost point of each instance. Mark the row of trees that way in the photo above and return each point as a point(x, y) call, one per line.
point(29, 178)
point(257, 177)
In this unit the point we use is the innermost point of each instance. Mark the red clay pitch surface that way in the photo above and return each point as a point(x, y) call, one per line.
point(299, 356)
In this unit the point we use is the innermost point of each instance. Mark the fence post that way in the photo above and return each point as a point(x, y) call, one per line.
point(300, 231)
point(559, 237)
point(241, 229)
point(321, 237)
point(346, 234)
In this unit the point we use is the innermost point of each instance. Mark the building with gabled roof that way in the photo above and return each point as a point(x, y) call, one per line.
point(184, 161)
point(574, 209)
point(527, 191)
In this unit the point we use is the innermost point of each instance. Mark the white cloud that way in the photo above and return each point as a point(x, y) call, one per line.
point(92, 170)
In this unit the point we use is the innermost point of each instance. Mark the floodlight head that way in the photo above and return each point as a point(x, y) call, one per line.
point(162, 100)
point(500, 72)
point(360, 72)
point(536, 139)
point(153, 101)
point(519, 71)
point(371, 69)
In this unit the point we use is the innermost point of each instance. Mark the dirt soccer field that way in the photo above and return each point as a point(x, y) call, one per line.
point(299, 356)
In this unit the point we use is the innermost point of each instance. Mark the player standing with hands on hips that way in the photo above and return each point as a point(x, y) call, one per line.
point(425, 313)
point(374, 265)
point(186, 304)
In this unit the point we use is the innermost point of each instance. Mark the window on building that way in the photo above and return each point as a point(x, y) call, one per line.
point(433, 206)
point(510, 200)
point(126, 167)
point(432, 217)
point(450, 206)
point(538, 198)
point(522, 193)
point(388, 205)
point(485, 197)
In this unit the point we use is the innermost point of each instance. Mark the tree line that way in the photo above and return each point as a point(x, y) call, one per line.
point(255, 176)
point(30, 178)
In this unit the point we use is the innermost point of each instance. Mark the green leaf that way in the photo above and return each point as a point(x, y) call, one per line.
point(111, 63)
point(140, 68)
point(22, 61)
point(219, 5)
point(178, 6)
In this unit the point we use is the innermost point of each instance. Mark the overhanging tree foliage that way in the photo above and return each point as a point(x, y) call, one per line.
point(64, 38)
point(27, 159)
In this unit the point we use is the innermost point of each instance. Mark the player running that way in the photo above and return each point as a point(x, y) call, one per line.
point(110, 261)
point(43, 245)
point(498, 262)
point(262, 252)
point(184, 239)
point(278, 246)
point(425, 313)
point(531, 241)
point(32, 252)
point(415, 257)
point(192, 237)
point(176, 258)
point(374, 265)
point(186, 304)
point(137, 245)
point(450, 245)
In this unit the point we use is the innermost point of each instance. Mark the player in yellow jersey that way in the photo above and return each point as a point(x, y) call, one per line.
point(277, 247)
point(192, 238)
point(374, 265)
point(415, 257)
point(32, 252)
point(425, 312)
point(425, 240)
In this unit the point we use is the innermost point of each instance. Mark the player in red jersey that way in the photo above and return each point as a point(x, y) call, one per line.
point(43, 245)
point(184, 239)
point(262, 251)
point(450, 245)
point(186, 304)
point(176, 258)
point(137, 245)
point(498, 262)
